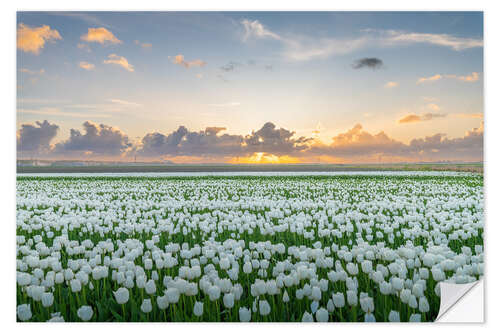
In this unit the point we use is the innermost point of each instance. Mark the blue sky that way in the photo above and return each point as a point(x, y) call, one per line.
point(294, 69)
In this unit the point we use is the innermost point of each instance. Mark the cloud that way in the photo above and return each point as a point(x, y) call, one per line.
point(179, 60)
point(372, 63)
point(433, 107)
point(183, 142)
point(230, 66)
point(120, 61)
point(302, 48)
point(470, 146)
point(470, 115)
point(413, 118)
point(357, 142)
point(52, 111)
point(214, 130)
point(123, 102)
point(96, 139)
point(305, 48)
point(85, 65)
point(83, 46)
point(359, 145)
point(268, 144)
point(473, 77)
point(391, 84)
point(32, 39)
point(255, 29)
point(32, 72)
point(101, 36)
point(429, 79)
point(143, 45)
point(275, 140)
point(36, 138)
point(455, 43)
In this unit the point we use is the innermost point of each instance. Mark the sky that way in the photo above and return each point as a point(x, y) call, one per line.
point(250, 87)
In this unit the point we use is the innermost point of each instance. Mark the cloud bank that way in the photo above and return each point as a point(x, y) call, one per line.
point(36, 138)
point(96, 140)
point(353, 145)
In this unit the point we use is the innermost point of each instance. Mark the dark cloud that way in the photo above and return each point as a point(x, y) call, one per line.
point(274, 140)
point(183, 142)
point(36, 137)
point(470, 146)
point(372, 63)
point(214, 130)
point(97, 139)
point(231, 66)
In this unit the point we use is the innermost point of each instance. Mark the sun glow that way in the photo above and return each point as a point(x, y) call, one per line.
point(264, 158)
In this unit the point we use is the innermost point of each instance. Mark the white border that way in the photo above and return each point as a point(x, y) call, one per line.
point(492, 139)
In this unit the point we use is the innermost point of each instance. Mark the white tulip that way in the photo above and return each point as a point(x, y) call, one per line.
point(146, 306)
point(85, 313)
point(321, 315)
point(307, 317)
point(245, 314)
point(24, 312)
point(264, 308)
point(198, 309)
point(121, 295)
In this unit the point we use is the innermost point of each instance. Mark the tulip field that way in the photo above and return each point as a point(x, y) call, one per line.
point(341, 248)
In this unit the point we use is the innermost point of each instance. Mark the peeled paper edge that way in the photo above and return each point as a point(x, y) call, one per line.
point(452, 294)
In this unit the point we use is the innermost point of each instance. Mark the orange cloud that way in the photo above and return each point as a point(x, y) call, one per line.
point(429, 79)
point(101, 36)
point(179, 60)
point(473, 77)
point(391, 84)
point(143, 45)
point(433, 107)
point(471, 115)
point(413, 118)
point(31, 72)
point(83, 46)
point(85, 65)
point(32, 39)
point(120, 61)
